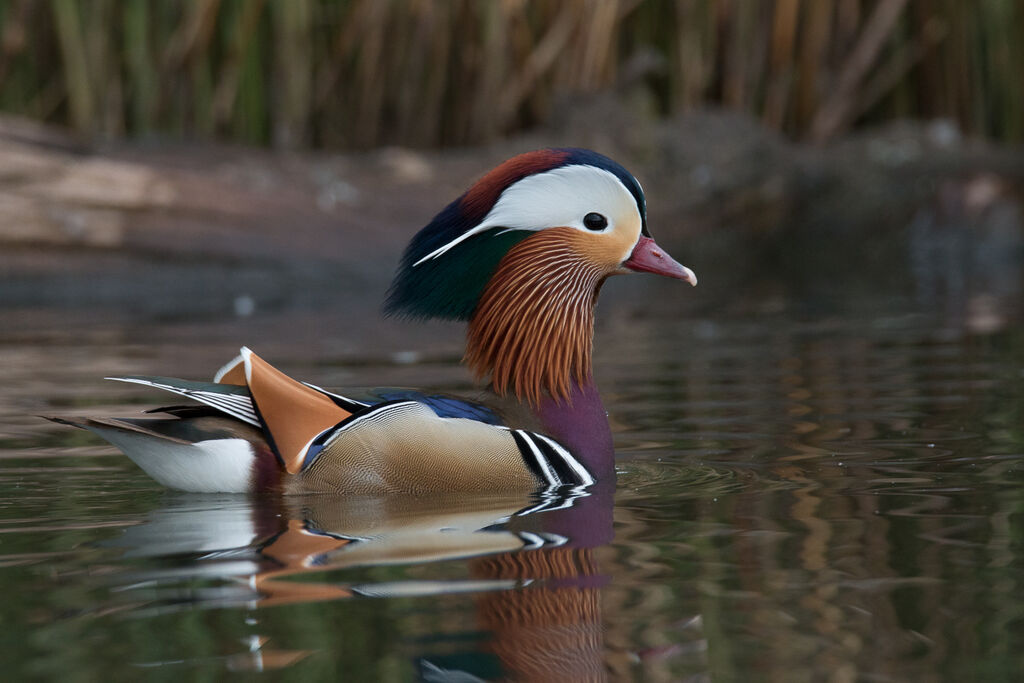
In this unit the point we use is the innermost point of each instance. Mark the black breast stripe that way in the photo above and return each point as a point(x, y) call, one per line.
point(529, 456)
point(549, 461)
point(557, 463)
point(580, 473)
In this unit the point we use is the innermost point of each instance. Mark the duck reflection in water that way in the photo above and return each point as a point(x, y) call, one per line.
point(530, 565)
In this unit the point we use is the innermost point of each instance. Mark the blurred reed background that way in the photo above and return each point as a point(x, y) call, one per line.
point(361, 73)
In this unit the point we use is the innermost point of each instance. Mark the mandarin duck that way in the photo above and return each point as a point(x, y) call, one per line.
point(521, 256)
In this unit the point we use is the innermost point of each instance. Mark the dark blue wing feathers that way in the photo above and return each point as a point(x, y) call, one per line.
point(444, 406)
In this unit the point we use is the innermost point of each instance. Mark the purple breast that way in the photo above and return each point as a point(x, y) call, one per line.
point(581, 425)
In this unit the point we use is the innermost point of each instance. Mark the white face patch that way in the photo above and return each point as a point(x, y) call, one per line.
point(558, 198)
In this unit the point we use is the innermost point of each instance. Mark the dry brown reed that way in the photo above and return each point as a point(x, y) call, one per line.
point(361, 73)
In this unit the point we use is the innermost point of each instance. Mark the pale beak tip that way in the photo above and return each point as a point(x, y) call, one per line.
point(648, 257)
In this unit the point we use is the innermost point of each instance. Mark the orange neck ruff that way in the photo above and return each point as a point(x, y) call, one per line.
point(532, 330)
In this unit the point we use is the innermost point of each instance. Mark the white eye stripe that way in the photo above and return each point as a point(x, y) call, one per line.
point(557, 198)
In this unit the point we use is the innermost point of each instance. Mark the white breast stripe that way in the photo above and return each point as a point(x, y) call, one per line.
point(531, 541)
point(555, 498)
point(550, 500)
point(564, 501)
point(553, 539)
point(539, 507)
point(585, 478)
point(542, 462)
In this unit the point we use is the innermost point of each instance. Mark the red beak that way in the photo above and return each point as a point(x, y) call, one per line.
point(648, 257)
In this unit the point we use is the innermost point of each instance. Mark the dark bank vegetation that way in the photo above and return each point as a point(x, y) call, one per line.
point(361, 73)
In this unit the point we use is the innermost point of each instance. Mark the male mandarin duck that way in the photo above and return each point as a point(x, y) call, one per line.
point(521, 256)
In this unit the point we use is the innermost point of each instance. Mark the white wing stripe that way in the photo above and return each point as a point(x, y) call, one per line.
point(339, 396)
point(235, 405)
point(241, 411)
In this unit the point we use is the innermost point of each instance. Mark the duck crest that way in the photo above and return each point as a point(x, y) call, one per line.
point(532, 331)
point(428, 287)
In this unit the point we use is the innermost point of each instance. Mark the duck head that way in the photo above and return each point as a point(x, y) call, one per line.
point(521, 256)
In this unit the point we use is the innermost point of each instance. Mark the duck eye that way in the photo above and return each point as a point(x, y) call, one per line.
point(595, 221)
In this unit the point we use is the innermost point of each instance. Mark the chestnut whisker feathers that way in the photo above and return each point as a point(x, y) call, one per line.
point(532, 331)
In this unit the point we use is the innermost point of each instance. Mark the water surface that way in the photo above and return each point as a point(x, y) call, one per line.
point(808, 489)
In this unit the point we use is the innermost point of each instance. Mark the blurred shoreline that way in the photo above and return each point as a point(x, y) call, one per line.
point(181, 230)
